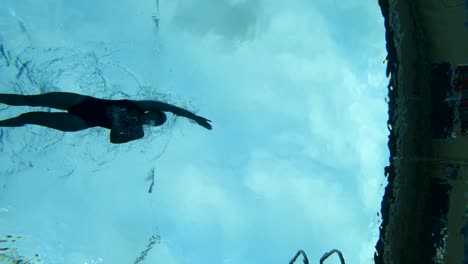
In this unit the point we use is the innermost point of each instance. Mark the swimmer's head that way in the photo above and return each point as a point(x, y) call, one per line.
point(153, 118)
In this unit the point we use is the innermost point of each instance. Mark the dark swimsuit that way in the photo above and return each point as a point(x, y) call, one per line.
point(120, 116)
point(100, 112)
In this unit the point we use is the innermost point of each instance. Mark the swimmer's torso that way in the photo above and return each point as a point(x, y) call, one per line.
point(103, 113)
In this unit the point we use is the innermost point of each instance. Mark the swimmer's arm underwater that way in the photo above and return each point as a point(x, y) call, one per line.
point(160, 106)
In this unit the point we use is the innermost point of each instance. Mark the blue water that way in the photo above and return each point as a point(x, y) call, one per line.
point(299, 136)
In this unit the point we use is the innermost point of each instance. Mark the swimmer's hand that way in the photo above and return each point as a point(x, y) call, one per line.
point(202, 122)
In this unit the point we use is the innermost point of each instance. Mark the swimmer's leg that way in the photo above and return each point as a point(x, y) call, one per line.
point(58, 100)
point(60, 121)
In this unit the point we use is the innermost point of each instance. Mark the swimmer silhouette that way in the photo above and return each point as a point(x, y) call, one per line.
point(124, 118)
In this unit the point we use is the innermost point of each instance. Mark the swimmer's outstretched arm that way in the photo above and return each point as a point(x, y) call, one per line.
point(160, 106)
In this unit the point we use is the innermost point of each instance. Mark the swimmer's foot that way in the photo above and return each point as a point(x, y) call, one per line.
point(12, 122)
point(14, 99)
